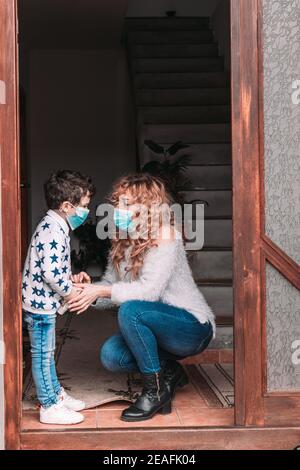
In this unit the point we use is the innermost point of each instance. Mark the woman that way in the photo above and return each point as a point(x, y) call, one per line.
point(163, 316)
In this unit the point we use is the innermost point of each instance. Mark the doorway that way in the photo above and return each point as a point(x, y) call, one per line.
point(240, 410)
point(179, 68)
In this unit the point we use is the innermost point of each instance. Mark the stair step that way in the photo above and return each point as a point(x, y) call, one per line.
point(182, 114)
point(224, 321)
point(210, 177)
point(174, 50)
point(211, 248)
point(223, 339)
point(211, 265)
point(167, 24)
point(169, 37)
point(171, 80)
point(204, 64)
point(192, 133)
point(183, 97)
point(220, 202)
point(213, 153)
point(215, 283)
point(217, 235)
point(220, 299)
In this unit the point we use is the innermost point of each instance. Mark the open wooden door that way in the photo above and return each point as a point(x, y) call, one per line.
point(265, 123)
point(11, 227)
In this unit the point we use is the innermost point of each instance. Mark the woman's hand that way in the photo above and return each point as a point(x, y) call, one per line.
point(82, 277)
point(90, 293)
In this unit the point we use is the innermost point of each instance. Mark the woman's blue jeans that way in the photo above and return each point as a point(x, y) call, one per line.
point(150, 332)
point(41, 330)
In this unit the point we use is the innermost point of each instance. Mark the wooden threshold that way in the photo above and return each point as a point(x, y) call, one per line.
point(189, 438)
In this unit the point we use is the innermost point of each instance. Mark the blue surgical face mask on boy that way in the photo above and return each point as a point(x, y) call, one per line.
point(123, 219)
point(80, 216)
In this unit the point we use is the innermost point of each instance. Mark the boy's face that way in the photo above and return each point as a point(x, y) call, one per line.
point(85, 200)
point(69, 209)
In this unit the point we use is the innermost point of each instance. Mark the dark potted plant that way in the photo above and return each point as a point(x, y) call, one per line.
point(91, 250)
point(169, 166)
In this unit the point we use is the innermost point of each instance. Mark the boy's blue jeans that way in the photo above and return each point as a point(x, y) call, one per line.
point(41, 330)
point(151, 331)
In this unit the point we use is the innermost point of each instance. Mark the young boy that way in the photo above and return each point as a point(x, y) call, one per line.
point(47, 285)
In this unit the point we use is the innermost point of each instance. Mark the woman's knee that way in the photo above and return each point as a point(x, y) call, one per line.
point(128, 311)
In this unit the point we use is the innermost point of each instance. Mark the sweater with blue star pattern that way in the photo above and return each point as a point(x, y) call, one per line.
point(47, 270)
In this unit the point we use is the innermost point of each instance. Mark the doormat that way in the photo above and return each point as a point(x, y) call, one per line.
point(214, 383)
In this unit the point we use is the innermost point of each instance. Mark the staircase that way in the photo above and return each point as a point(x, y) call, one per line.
point(182, 92)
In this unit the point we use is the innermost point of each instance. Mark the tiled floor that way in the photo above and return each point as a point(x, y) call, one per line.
point(189, 409)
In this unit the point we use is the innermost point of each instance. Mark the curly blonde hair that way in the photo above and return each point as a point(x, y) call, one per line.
point(150, 192)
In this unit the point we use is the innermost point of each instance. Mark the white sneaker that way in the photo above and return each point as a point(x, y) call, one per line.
point(70, 402)
point(59, 414)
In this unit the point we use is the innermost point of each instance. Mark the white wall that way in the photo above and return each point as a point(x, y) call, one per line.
point(80, 117)
point(183, 7)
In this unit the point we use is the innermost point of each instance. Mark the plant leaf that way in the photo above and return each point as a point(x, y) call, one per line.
point(153, 167)
point(180, 164)
point(176, 147)
point(154, 146)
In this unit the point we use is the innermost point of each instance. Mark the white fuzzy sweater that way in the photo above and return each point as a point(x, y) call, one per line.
point(165, 276)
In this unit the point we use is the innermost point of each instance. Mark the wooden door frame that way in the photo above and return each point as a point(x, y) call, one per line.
point(252, 248)
point(246, 212)
point(250, 244)
point(11, 224)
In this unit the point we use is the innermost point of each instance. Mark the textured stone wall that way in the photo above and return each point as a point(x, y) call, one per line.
point(281, 25)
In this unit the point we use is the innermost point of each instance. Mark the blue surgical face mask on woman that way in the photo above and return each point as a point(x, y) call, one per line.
point(80, 216)
point(123, 219)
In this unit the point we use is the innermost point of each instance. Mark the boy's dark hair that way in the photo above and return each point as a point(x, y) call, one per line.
point(67, 185)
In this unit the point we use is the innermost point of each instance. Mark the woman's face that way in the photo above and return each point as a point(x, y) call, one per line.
point(139, 213)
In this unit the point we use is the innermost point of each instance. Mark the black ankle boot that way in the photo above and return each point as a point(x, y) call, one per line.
point(175, 375)
point(155, 397)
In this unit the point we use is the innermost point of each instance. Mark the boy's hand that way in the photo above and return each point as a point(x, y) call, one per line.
point(82, 301)
point(74, 293)
point(81, 278)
